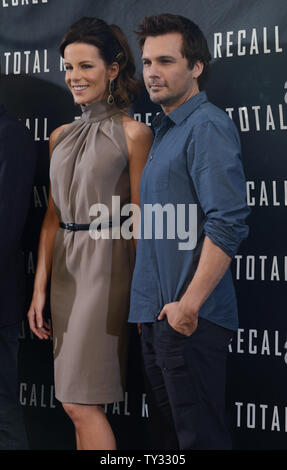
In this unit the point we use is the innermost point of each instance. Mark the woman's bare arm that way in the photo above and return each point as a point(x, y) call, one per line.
point(44, 264)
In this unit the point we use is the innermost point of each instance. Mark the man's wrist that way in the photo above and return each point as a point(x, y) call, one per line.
point(188, 306)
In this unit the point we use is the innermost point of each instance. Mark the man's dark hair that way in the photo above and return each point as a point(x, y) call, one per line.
point(194, 43)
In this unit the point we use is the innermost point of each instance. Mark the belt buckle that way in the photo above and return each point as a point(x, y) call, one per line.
point(70, 227)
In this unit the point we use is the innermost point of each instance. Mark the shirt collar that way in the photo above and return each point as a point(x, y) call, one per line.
point(183, 111)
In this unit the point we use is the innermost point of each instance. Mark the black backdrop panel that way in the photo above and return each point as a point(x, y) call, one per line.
point(248, 42)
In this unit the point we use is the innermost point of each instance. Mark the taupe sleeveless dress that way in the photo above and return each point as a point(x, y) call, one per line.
point(91, 278)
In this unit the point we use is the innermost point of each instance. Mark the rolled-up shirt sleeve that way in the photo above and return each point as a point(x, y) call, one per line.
point(214, 163)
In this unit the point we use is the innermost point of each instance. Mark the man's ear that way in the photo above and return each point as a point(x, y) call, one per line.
point(197, 69)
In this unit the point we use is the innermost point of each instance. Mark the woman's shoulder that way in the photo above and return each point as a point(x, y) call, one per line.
point(136, 130)
point(55, 134)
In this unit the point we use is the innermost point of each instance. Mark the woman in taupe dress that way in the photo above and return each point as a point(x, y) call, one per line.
point(93, 159)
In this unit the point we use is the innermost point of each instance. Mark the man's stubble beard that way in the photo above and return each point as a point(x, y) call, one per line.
point(165, 100)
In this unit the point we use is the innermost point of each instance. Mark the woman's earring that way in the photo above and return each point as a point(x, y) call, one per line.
point(111, 99)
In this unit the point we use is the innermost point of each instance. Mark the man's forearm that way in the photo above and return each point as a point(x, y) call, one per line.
point(212, 266)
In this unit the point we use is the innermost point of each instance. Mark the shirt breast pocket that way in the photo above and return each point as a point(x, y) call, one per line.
point(160, 179)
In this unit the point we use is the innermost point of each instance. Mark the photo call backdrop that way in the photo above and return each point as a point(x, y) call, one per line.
point(248, 44)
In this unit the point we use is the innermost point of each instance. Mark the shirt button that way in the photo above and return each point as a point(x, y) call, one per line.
point(151, 157)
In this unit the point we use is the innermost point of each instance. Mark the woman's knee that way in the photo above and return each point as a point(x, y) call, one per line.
point(79, 413)
point(73, 411)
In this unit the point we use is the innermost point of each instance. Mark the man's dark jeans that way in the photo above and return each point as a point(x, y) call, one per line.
point(185, 381)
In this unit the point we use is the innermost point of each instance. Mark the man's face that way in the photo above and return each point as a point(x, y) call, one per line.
point(167, 77)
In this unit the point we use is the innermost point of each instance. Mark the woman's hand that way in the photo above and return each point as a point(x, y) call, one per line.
point(35, 316)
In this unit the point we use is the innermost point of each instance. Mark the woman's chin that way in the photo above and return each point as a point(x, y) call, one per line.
point(79, 100)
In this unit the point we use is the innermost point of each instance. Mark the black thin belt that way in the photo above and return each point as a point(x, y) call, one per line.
point(71, 227)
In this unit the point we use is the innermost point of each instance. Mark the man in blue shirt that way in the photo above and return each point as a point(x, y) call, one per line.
point(182, 290)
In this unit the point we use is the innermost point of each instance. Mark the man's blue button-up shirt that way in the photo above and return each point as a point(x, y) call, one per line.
point(194, 159)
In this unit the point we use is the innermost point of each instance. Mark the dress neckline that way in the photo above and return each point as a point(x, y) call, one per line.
point(99, 110)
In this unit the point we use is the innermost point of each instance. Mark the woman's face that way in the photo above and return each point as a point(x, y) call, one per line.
point(87, 75)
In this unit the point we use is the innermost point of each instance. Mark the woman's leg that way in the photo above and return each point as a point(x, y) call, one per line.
point(93, 431)
point(78, 442)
